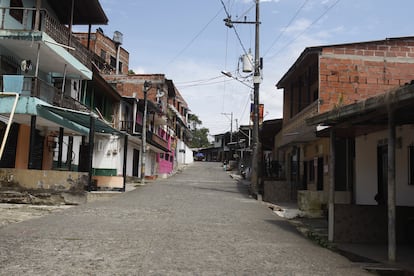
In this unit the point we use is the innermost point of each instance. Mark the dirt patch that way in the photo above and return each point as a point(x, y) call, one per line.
point(15, 213)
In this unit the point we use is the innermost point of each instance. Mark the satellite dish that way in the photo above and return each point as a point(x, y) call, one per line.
point(26, 65)
point(160, 94)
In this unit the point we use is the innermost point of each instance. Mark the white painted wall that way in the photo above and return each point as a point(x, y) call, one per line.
point(184, 154)
point(366, 167)
point(108, 153)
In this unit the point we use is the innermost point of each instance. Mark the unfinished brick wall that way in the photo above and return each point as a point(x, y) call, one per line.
point(353, 72)
point(129, 84)
point(99, 42)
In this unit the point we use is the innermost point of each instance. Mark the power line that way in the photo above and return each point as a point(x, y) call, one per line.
point(195, 37)
point(310, 25)
point(287, 26)
point(234, 28)
point(199, 81)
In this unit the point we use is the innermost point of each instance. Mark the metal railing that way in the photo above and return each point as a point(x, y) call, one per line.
point(127, 126)
point(40, 89)
point(23, 19)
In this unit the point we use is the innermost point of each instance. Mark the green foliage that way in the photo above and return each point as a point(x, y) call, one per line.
point(199, 135)
point(200, 138)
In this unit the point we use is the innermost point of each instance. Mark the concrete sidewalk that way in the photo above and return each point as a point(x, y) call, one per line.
point(373, 257)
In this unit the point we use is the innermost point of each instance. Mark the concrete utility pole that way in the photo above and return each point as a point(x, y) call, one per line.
point(256, 87)
point(147, 86)
point(231, 124)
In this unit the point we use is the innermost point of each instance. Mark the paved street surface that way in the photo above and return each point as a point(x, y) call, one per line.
point(199, 222)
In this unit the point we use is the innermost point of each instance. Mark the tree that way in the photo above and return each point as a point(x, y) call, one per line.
point(199, 135)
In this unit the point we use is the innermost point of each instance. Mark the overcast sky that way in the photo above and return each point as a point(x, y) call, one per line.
point(188, 42)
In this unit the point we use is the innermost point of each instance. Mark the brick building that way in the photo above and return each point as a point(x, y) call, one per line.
point(323, 79)
point(106, 50)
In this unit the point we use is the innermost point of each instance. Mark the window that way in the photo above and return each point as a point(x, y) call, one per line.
point(16, 13)
point(120, 66)
point(167, 156)
point(103, 54)
point(161, 155)
point(411, 165)
point(171, 158)
point(113, 62)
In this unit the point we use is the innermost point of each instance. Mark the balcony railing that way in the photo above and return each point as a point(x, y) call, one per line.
point(23, 19)
point(33, 87)
point(152, 138)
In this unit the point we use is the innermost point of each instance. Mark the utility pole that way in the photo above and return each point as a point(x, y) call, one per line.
point(256, 87)
point(231, 124)
point(147, 86)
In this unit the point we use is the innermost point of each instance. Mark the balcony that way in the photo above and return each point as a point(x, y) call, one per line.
point(152, 138)
point(23, 20)
point(156, 140)
point(128, 127)
point(33, 87)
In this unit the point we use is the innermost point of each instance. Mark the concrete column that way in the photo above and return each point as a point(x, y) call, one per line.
point(32, 142)
point(391, 187)
point(91, 146)
point(124, 167)
point(331, 201)
point(60, 150)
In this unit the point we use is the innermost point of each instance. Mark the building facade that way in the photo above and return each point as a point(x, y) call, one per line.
point(322, 79)
point(46, 127)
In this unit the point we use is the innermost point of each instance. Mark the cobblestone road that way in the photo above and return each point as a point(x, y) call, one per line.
point(199, 222)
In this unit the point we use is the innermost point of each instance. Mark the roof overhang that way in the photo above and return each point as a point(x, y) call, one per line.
point(53, 56)
point(75, 120)
point(369, 115)
point(86, 12)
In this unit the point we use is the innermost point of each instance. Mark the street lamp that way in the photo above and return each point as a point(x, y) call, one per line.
point(147, 86)
point(256, 86)
point(230, 75)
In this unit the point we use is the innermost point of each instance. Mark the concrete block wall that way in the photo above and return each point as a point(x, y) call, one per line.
point(353, 72)
point(275, 191)
point(360, 224)
point(42, 186)
point(369, 224)
point(312, 201)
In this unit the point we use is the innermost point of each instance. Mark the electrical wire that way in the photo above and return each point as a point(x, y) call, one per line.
point(286, 27)
point(234, 28)
point(195, 37)
point(310, 25)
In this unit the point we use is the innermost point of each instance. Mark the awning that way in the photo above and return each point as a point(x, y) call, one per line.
point(74, 120)
point(52, 56)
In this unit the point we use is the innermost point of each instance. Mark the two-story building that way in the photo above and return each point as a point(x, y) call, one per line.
point(324, 79)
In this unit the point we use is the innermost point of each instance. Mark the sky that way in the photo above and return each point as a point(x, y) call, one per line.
point(188, 41)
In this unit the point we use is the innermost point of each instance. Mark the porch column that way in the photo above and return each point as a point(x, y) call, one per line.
point(71, 22)
point(331, 201)
point(60, 150)
point(32, 142)
point(391, 186)
point(37, 16)
point(69, 153)
point(124, 167)
point(91, 145)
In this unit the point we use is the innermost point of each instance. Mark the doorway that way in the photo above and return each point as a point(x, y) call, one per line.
point(320, 174)
point(135, 163)
point(382, 170)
